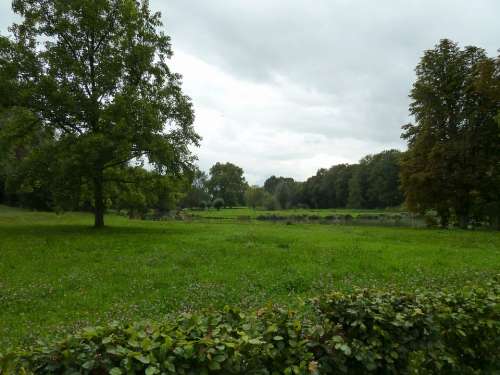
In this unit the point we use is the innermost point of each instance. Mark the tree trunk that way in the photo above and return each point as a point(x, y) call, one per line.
point(444, 218)
point(99, 202)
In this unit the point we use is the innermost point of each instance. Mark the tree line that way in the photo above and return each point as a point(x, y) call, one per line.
point(372, 183)
point(92, 117)
point(452, 165)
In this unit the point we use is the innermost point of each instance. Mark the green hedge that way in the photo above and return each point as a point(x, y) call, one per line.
point(366, 331)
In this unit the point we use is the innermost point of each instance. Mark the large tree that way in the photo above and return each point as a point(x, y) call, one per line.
point(228, 183)
point(453, 143)
point(487, 86)
point(90, 79)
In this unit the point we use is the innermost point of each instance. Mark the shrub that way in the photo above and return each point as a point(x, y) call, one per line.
point(271, 203)
point(431, 219)
point(348, 218)
point(369, 217)
point(218, 203)
point(366, 331)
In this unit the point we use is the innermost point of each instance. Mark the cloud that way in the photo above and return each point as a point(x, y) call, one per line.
point(287, 87)
point(270, 127)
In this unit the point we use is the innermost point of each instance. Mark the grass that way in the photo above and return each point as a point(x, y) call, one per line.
point(58, 274)
point(233, 213)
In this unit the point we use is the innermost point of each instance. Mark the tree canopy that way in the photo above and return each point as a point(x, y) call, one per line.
point(90, 91)
point(453, 146)
point(228, 183)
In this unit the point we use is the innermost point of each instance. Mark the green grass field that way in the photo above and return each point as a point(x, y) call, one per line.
point(233, 213)
point(58, 274)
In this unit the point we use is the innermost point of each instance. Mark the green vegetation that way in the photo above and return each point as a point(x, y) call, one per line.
point(243, 212)
point(86, 92)
point(366, 331)
point(92, 119)
point(58, 274)
point(453, 160)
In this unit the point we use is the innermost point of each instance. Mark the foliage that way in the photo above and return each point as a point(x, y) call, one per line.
point(366, 331)
point(91, 92)
point(453, 147)
point(197, 195)
point(422, 332)
point(372, 183)
point(271, 202)
point(218, 203)
point(272, 183)
point(227, 182)
point(59, 275)
point(255, 196)
point(282, 193)
point(138, 191)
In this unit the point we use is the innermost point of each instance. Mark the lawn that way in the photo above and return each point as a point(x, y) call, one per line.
point(240, 212)
point(58, 274)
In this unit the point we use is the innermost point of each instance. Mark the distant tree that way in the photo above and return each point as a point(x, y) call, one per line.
point(273, 182)
point(254, 196)
point(383, 180)
point(358, 185)
point(218, 203)
point(339, 175)
point(91, 80)
point(227, 182)
point(271, 202)
point(312, 190)
point(198, 192)
point(284, 195)
point(374, 182)
point(453, 145)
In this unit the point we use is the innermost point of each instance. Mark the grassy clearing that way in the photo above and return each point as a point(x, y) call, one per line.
point(234, 213)
point(58, 274)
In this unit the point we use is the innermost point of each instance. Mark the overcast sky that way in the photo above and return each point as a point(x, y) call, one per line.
point(287, 87)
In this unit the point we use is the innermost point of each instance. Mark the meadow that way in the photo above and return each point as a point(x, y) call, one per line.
point(58, 274)
point(240, 212)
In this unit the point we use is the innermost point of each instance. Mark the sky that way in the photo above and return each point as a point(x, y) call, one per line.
point(287, 87)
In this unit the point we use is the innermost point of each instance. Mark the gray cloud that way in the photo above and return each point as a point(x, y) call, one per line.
point(287, 87)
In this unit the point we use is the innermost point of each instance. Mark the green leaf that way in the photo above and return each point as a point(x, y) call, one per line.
point(141, 358)
point(213, 365)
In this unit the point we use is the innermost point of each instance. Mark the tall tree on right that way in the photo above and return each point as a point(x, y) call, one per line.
point(453, 146)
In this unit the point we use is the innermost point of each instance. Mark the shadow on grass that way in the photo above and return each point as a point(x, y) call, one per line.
point(88, 230)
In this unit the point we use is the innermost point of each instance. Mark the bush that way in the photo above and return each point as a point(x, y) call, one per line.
point(218, 203)
point(366, 331)
point(348, 218)
point(431, 219)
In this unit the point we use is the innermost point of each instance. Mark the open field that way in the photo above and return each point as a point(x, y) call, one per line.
point(233, 213)
point(58, 274)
